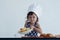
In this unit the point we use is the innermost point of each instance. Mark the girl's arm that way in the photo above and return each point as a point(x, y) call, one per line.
point(25, 23)
point(38, 28)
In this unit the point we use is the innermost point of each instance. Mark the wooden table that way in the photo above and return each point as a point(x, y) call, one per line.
point(38, 37)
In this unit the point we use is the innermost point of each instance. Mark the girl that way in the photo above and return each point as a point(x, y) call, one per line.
point(32, 22)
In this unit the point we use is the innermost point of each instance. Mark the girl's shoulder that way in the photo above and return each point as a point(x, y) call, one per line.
point(27, 23)
point(37, 24)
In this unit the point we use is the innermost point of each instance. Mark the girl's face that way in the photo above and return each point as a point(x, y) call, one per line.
point(32, 18)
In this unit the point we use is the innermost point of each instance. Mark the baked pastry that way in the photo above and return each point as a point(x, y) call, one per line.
point(48, 35)
point(24, 29)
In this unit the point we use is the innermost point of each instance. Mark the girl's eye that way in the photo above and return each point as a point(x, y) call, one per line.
point(33, 17)
point(30, 17)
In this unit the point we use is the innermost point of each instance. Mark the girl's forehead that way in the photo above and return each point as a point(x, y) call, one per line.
point(32, 15)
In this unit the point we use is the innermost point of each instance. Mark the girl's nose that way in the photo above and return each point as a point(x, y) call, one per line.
point(32, 19)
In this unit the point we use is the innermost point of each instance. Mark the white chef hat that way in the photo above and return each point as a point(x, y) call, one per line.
point(35, 8)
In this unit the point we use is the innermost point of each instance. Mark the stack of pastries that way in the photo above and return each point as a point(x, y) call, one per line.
point(48, 35)
point(24, 29)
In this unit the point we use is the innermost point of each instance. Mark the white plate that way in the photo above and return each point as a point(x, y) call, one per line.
point(26, 32)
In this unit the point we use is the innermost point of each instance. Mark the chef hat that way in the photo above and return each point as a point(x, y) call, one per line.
point(36, 9)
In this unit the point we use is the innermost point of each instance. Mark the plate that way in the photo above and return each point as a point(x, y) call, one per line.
point(25, 32)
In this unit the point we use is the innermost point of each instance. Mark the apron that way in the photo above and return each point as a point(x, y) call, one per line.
point(33, 33)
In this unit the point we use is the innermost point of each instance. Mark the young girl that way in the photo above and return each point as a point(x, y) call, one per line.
point(33, 22)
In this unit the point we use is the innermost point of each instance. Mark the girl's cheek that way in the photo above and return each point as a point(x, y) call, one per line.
point(35, 19)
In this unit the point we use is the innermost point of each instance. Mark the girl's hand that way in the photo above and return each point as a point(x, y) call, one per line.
point(32, 27)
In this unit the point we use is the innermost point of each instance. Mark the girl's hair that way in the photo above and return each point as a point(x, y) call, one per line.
point(31, 13)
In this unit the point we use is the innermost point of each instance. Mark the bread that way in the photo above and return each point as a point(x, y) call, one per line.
point(23, 29)
point(48, 35)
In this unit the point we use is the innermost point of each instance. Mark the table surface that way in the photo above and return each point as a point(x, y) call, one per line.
point(38, 37)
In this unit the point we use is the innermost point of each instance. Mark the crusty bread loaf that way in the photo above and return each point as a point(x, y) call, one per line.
point(48, 35)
